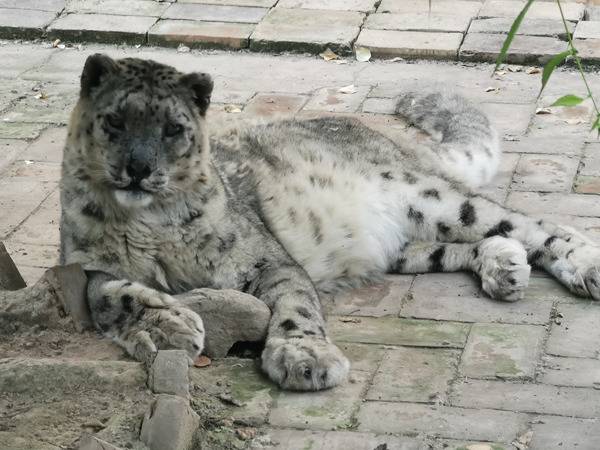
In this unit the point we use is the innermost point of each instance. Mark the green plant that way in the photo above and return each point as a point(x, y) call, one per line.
point(570, 52)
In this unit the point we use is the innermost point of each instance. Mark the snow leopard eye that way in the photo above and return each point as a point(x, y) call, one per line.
point(116, 121)
point(173, 129)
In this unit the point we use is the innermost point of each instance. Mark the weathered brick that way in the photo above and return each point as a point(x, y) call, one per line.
point(530, 27)
point(363, 357)
point(21, 197)
point(201, 34)
point(10, 149)
point(391, 43)
point(306, 29)
point(418, 22)
point(588, 50)
point(392, 331)
point(414, 375)
point(41, 228)
point(259, 3)
point(381, 299)
point(323, 410)
point(102, 28)
point(587, 30)
point(590, 164)
point(538, 10)
point(578, 334)
point(523, 49)
point(285, 439)
point(48, 148)
point(267, 105)
point(55, 107)
point(24, 23)
point(531, 398)
point(169, 373)
point(440, 421)
point(330, 99)
point(13, 63)
point(335, 5)
point(118, 7)
point(507, 118)
point(215, 13)
point(468, 8)
point(558, 203)
point(544, 144)
point(587, 185)
point(379, 105)
point(170, 424)
point(502, 351)
point(577, 372)
point(561, 433)
point(55, 6)
point(547, 173)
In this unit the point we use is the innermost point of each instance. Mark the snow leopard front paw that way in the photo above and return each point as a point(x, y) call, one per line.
point(579, 270)
point(502, 265)
point(144, 320)
point(304, 364)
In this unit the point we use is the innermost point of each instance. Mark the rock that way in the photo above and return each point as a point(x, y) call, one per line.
point(10, 278)
point(170, 424)
point(93, 443)
point(229, 316)
point(70, 285)
point(169, 373)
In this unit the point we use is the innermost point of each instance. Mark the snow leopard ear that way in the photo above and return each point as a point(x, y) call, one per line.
point(96, 67)
point(201, 85)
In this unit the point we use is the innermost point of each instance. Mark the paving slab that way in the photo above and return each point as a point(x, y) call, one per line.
point(200, 34)
point(42, 227)
point(440, 421)
point(590, 163)
point(414, 375)
point(306, 30)
point(48, 148)
point(418, 22)
point(288, 439)
point(561, 433)
point(509, 119)
point(392, 331)
point(101, 28)
point(269, 105)
point(587, 185)
point(588, 50)
point(49, 104)
point(215, 13)
point(118, 7)
point(538, 10)
point(19, 130)
point(324, 410)
point(587, 30)
point(577, 335)
point(332, 100)
point(530, 27)
point(336, 5)
point(10, 149)
point(55, 6)
point(497, 188)
point(545, 144)
point(363, 357)
point(502, 351)
point(523, 49)
point(567, 204)
point(24, 24)
point(257, 3)
point(531, 398)
point(410, 44)
point(469, 8)
point(381, 299)
point(576, 372)
point(545, 173)
point(377, 105)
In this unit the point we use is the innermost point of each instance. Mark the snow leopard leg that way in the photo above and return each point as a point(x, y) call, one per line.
point(501, 263)
point(454, 216)
point(141, 319)
point(298, 354)
point(467, 147)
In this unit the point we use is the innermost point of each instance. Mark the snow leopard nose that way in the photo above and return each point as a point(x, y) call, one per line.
point(138, 170)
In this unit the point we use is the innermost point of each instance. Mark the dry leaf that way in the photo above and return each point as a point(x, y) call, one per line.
point(514, 68)
point(349, 319)
point(500, 72)
point(232, 109)
point(350, 89)
point(41, 96)
point(533, 70)
point(328, 55)
point(492, 89)
point(55, 43)
point(362, 54)
point(202, 361)
point(574, 121)
point(341, 61)
point(543, 111)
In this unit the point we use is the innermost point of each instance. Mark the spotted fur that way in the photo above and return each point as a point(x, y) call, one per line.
point(155, 204)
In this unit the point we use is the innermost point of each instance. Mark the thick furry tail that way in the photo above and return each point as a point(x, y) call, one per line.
point(467, 149)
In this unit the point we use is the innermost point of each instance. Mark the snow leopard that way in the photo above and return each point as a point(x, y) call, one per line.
point(157, 202)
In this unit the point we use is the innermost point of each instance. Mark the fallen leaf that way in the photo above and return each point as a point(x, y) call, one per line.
point(350, 89)
point(41, 96)
point(232, 109)
point(227, 398)
point(574, 121)
point(396, 59)
point(500, 72)
point(492, 89)
point(543, 111)
point(514, 68)
point(55, 43)
point(362, 54)
point(533, 70)
point(349, 319)
point(202, 361)
point(328, 55)
point(341, 61)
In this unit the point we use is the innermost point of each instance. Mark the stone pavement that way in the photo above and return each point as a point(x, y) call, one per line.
point(436, 364)
point(468, 30)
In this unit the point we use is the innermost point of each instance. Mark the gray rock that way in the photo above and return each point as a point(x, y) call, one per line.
point(170, 424)
point(169, 373)
point(93, 443)
point(70, 286)
point(229, 316)
point(10, 278)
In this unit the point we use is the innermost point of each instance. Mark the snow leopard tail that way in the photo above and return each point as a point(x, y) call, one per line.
point(467, 147)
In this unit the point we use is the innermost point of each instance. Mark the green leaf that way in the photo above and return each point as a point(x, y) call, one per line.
point(596, 124)
point(551, 65)
point(511, 34)
point(568, 100)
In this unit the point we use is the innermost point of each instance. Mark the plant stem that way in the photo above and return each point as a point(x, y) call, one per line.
point(577, 59)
